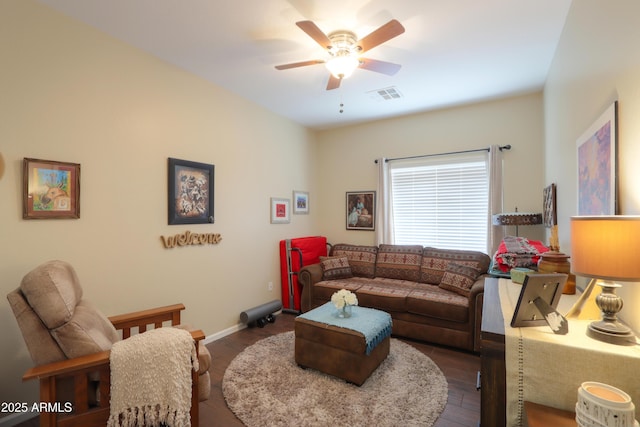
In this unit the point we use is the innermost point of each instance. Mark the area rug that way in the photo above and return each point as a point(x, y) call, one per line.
point(263, 386)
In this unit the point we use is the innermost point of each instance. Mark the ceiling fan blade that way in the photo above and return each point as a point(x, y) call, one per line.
point(299, 64)
point(388, 31)
point(315, 33)
point(388, 68)
point(334, 82)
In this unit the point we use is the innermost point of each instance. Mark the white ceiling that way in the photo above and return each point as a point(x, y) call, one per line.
point(452, 52)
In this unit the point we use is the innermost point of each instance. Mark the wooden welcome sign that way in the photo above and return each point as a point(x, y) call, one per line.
point(188, 238)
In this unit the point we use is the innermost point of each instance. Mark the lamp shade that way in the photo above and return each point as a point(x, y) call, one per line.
point(606, 247)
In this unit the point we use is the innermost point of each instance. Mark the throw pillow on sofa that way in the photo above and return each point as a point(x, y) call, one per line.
point(335, 268)
point(362, 259)
point(399, 262)
point(459, 279)
point(436, 261)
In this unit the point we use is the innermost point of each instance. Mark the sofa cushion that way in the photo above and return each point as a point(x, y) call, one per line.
point(362, 259)
point(335, 268)
point(459, 279)
point(324, 289)
point(433, 301)
point(400, 262)
point(435, 262)
point(385, 294)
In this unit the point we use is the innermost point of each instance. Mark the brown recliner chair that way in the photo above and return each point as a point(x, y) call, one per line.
point(69, 342)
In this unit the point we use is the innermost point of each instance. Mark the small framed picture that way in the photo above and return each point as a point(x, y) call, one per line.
point(191, 186)
point(50, 189)
point(360, 210)
point(300, 202)
point(280, 211)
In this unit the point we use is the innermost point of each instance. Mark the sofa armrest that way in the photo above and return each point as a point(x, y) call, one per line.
point(308, 276)
point(476, 299)
point(477, 288)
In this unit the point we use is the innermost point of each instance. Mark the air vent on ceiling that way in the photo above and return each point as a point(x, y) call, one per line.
point(386, 94)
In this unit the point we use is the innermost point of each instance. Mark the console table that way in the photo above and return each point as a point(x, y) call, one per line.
point(535, 365)
point(492, 359)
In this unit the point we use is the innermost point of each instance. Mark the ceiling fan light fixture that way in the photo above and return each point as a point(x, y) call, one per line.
point(345, 50)
point(342, 65)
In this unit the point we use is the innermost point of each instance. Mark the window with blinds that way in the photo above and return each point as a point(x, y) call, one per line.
point(441, 201)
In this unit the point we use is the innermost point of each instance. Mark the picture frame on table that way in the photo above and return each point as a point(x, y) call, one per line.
point(548, 288)
point(597, 165)
point(360, 210)
point(51, 189)
point(280, 210)
point(300, 202)
point(190, 192)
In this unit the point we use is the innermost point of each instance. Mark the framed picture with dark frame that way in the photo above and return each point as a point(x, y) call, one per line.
point(597, 166)
point(360, 210)
point(191, 192)
point(549, 204)
point(51, 189)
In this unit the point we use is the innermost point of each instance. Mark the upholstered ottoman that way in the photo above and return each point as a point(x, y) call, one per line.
point(350, 348)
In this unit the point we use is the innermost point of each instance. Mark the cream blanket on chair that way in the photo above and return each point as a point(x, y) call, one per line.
point(151, 379)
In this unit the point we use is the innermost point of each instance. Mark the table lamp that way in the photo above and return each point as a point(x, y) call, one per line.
point(607, 249)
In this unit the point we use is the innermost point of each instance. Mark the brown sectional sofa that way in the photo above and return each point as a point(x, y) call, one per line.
point(433, 295)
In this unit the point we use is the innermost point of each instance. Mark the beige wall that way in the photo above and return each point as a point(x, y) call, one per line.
point(347, 155)
point(70, 93)
point(597, 62)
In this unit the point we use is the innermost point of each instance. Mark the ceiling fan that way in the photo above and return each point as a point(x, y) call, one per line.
point(345, 49)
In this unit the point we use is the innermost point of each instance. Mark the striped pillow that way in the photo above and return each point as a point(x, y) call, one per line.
point(459, 279)
point(335, 268)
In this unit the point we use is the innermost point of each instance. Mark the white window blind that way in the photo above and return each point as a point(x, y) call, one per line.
point(441, 201)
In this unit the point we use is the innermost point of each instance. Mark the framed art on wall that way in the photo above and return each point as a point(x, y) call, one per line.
point(360, 210)
point(300, 202)
point(280, 211)
point(549, 204)
point(191, 188)
point(51, 189)
point(597, 166)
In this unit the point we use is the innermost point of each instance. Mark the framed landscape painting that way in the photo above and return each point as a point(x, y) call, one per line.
point(360, 210)
point(190, 192)
point(51, 189)
point(597, 166)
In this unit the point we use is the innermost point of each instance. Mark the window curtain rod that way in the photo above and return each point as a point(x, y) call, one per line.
point(503, 147)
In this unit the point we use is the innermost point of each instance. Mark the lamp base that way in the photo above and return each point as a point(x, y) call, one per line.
point(611, 332)
point(609, 329)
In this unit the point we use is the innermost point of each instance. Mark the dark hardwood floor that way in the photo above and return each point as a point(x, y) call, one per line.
point(460, 368)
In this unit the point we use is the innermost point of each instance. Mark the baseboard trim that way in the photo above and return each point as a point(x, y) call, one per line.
point(214, 337)
point(235, 328)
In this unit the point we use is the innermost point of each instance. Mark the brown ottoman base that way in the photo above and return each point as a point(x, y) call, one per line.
point(336, 351)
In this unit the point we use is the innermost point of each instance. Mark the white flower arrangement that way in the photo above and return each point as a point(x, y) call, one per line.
point(343, 298)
